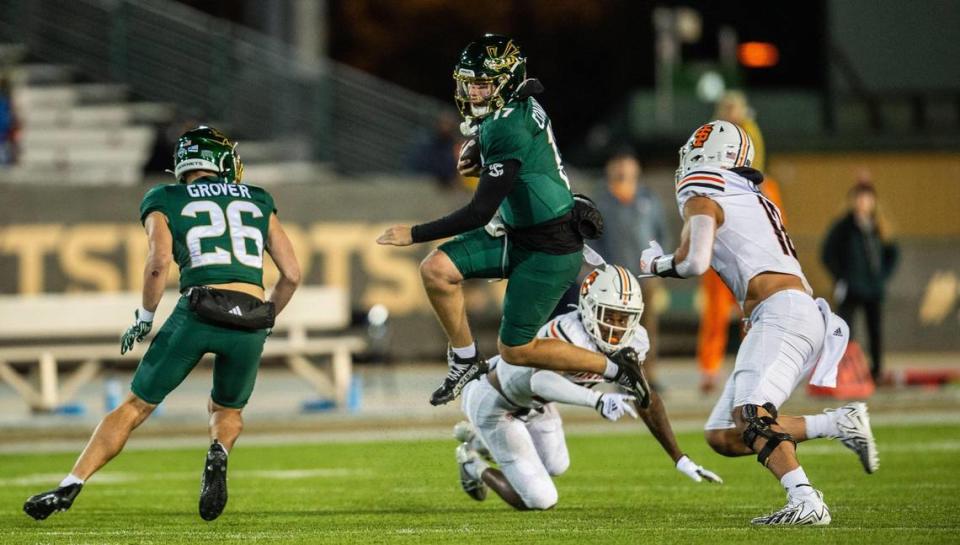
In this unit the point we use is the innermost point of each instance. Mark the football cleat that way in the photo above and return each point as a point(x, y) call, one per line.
point(475, 488)
point(806, 510)
point(461, 372)
point(213, 485)
point(630, 375)
point(853, 421)
point(464, 432)
point(43, 505)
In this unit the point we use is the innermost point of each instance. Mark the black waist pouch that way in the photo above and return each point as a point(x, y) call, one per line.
point(232, 309)
point(556, 237)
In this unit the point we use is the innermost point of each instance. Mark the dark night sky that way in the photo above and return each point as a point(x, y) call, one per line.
point(589, 54)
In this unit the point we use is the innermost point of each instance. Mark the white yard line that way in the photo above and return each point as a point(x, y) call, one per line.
point(436, 432)
point(117, 477)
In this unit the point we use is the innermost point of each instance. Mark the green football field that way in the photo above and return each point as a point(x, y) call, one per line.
point(620, 489)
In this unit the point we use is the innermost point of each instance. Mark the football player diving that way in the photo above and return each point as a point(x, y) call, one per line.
point(522, 224)
point(513, 419)
point(731, 226)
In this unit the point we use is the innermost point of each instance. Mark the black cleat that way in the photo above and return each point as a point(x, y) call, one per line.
point(213, 486)
point(43, 505)
point(461, 372)
point(630, 375)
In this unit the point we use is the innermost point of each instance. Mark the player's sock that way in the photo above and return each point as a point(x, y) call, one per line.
point(822, 425)
point(610, 373)
point(224, 447)
point(475, 468)
point(796, 483)
point(71, 479)
point(467, 352)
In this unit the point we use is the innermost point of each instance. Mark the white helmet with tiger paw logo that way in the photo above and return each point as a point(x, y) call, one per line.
point(718, 144)
point(610, 305)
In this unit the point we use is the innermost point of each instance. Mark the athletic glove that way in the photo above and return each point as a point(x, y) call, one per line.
point(143, 321)
point(613, 406)
point(648, 255)
point(690, 468)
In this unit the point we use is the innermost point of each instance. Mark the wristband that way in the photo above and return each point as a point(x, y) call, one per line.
point(144, 315)
point(665, 267)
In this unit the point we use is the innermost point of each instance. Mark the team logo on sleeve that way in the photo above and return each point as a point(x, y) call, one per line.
point(495, 170)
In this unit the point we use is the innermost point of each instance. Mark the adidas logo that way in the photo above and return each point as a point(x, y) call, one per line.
point(236, 312)
point(837, 333)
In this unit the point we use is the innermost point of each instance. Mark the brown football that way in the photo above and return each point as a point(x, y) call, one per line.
point(468, 164)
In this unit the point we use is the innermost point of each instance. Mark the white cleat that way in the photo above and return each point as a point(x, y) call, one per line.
point(475, 488)
point(807, 510)
point(853, 421)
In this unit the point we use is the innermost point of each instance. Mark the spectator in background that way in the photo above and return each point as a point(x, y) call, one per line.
point(9, 127)
point(733, 107)
point(437, 153)
point(717, 302)
point(861, 257)
point(633, 216)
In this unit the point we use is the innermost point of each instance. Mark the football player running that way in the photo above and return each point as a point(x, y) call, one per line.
point(216, 229)
point(535, 241)
point(512, 410)
point(730, 225)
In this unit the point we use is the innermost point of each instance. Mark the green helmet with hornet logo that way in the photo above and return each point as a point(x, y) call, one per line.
point(493, 59)
point(206, 148)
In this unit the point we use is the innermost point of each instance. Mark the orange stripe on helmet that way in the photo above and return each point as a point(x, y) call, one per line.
point(744, 146)
point(624, 284)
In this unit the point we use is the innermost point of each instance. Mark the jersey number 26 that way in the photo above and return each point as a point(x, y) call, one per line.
point(219, 223)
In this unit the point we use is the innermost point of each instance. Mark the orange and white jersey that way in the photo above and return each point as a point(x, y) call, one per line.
point(752, 239)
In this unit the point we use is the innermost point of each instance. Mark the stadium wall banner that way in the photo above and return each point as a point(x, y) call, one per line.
point(74, 239)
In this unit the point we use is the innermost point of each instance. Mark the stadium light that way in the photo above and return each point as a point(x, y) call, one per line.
point(758, 54)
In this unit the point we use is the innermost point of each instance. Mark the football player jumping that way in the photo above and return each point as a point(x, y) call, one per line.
point(730, 225)
point(536, 240)
point(513, 417)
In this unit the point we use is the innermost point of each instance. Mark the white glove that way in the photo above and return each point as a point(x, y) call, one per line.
point(690, 468)
point(613, 406)
point(648, 255)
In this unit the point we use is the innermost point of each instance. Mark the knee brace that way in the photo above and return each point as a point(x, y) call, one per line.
point(759, 426)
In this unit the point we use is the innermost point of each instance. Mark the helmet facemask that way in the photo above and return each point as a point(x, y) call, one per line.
point(466, 105)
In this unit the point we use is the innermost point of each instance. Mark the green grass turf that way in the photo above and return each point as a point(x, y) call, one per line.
point(620, 489)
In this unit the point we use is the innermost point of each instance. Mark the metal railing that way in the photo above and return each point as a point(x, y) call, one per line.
point(251, 83)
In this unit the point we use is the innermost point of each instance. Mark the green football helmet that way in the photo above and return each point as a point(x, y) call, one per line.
point(206, 148)
point(493, 59)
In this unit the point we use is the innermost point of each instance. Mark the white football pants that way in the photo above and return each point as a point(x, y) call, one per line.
point(528, 452)
point(782, 345)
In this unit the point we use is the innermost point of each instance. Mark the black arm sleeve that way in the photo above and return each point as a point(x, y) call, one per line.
point(496, 182)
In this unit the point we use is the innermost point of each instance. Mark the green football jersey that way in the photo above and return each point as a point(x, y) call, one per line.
point(521, 131)
point(219, 229)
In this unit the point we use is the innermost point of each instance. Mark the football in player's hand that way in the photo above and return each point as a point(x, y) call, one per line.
point(468, 164)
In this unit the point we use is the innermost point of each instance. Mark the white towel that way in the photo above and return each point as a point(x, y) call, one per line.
point(835, 339)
